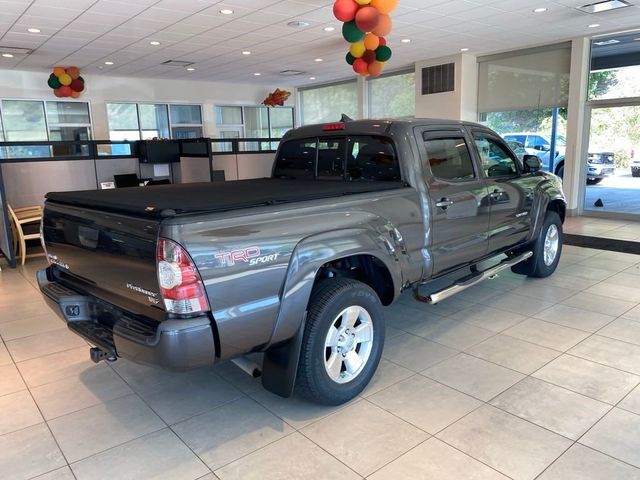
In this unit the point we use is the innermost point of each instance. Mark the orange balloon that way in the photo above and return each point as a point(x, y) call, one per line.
point(375, 68)
point(384, 6)
point(371, 41)
point(73, 72)
point(74, 94)
point(384, 26)
point(58, 71)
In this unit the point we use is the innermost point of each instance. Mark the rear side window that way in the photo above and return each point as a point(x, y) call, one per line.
point(449, 159)
point(371, 159)
point(355, 159)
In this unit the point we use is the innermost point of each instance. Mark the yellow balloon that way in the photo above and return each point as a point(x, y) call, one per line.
point(357, 49)
point(371, 41)
point(363, 2)
point(384, 6)
point(65, 79)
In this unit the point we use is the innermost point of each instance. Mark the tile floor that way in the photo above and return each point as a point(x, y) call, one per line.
point(515, 378)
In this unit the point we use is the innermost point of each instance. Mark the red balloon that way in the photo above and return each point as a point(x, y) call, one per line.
point(369, 56)
point(383, 41)
point(360, 66)
point(345, 10)
point(57, 92)
point(367, 19)
point(77, 85)
point(65, 91)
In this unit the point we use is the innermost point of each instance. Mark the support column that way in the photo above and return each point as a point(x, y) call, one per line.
point(577, 126)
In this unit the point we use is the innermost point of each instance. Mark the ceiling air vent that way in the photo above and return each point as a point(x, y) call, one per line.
point(177, 63)
point(438, 79)
point(15, 50)
point(291, 73)
point(603, 6)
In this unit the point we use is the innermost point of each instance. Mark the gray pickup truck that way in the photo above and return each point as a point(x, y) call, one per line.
point(299, 266)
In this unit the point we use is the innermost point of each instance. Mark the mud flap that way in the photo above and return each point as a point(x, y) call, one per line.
point(280, 364)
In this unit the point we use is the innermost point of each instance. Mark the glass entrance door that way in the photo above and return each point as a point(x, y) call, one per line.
point(613, 160)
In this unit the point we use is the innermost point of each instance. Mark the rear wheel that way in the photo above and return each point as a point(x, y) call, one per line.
point(546, 250)
point(593, 181)
point(560, 171)
point(342, 342)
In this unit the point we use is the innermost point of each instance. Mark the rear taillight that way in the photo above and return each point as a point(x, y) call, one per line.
point(180, 284)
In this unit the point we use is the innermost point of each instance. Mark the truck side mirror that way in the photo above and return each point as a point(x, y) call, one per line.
point(531, 163)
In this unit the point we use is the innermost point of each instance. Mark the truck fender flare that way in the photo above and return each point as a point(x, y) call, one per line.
point(281, 357)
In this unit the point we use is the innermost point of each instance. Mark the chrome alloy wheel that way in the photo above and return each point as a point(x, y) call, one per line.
point(551, 243)
point(348, 344)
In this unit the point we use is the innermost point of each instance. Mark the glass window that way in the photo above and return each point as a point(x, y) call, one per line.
point(154, 121)
point(68, 112)
point(296, 159)
point(229, 115)
point(182, 133)
point(186, 114)
point(281, 121)
point(372, 158)
point(328, 103)
point(24, 120)
point(256, 122)
point(615, 67)
point(331, 158)
point(123, 121)
point(392, 96)
point(449, 159)
point(496, 159)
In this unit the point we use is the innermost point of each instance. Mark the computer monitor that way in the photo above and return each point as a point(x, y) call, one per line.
point(126, 180)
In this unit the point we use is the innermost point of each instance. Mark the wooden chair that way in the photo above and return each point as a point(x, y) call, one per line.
point(26, 226)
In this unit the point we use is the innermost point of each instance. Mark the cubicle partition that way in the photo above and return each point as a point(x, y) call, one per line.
point(28, 170)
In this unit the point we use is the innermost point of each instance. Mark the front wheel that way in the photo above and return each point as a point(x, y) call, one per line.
point(342, 341)
point(546, 250)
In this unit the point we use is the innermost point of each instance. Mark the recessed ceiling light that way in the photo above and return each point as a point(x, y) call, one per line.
point(464, 49)
point(33, 30)
point(190, 69)
point(539, 10)
point(406, 40)
point(299, 23)
point(257, 74)
point(329, 29)
point(226, 11)
point(7, 55)
point(594, 25)
point(318, 60)
point(154, 42)
point(246, 52)
point(312, 78)
point(108, 63)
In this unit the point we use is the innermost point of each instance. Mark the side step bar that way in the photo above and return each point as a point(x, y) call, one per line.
point(470, 280)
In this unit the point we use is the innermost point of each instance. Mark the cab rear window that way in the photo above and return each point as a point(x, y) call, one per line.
point(358, 158)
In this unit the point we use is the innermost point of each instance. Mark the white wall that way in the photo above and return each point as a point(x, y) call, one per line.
point(462, 103)
point(102, 89)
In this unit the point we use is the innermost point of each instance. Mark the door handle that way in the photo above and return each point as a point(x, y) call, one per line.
point(444, 203)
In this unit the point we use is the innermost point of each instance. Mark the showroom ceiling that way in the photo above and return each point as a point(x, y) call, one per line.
point(113, 37)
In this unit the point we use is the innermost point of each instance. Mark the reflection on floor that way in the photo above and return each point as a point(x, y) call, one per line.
point(515, 378)
point(602, 227)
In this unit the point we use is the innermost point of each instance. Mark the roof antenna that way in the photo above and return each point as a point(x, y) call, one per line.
point(345, 118)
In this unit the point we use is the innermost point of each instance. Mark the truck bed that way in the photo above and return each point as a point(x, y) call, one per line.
point(170, 200)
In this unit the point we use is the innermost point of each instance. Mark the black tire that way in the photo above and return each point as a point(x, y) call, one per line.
point(635, 173)
point(594, 181)
point(560, 171)
point(536, 266)
point(328, 299)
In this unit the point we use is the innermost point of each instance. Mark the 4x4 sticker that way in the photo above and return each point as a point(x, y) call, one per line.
point(249, 255)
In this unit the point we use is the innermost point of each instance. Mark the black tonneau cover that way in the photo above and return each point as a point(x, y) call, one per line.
point(169, 200)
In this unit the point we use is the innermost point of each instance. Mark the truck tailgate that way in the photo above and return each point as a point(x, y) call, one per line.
point(111, 256)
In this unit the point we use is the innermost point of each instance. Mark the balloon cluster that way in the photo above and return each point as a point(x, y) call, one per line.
point(366, 22)
point(66, 82)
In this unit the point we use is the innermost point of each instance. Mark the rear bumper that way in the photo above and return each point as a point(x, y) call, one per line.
point(173, 344)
